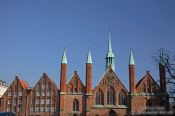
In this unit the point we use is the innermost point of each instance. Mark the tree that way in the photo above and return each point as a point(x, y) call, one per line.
point(163, 56)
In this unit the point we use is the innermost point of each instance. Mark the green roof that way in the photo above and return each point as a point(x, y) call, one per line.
point(64, 58)
point(89, 59)
point(131, 58)
point(110, 53)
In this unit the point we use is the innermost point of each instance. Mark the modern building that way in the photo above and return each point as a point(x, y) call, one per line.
point(75, 98)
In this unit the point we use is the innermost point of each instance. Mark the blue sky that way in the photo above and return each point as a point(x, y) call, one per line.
point(33, 35)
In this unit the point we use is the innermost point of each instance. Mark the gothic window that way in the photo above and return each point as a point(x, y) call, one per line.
point(99, 97)
point(76, 85)
point(122, 98)
point(148, 86)
point(75, 105)
point(71, 88)
point(144, 88)
point(111, 96)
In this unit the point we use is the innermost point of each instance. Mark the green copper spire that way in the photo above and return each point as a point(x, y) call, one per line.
point(110, 55)
point(89, 59)
point(109, 42)
point(64, 58)
point(131, 58)
point(161, 57)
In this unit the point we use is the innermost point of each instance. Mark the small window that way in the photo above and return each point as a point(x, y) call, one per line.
point(20, 108)
point(37, 93)
point(52, 109)
point(9, 102)
point(8, 109)
point(37, 109)
point(43, 93)
point(43, 86)
point(9, 93)
point(42, 101)
point(47, 109)
point(31, 109)
point(42, 109)
point(20, 93)
point(48, 101)
point(37, 101)
point(48, 93)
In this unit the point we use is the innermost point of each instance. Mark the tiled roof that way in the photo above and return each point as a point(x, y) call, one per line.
point(24, 84)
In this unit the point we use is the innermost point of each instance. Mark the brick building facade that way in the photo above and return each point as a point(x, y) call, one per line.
point(108, 98)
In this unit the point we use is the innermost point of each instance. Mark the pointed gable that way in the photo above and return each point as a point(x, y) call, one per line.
point(75, 85)
point(111, 79)
point(44, 81)
point(147, 85)
point(18, 85)
point(15, 95)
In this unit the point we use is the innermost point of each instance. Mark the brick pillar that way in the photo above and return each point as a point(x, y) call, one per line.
point(164, 95)
point(88, 87)
point(132, 79)
point(131, 86)
point(63, 77)
point(88, 78)
point(162, 74)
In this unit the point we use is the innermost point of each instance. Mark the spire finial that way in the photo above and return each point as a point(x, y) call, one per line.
point(109, 28)
point(89, 59)
point(131, 58)
point(64, 58)
point(161, 57)
point(110, 55)
point(109, 42)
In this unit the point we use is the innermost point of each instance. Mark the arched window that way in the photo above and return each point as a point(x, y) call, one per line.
point(144, 88)
point(149, 86)
point(71, 88)
point(75, 105)
point(111, 96)
point(122, 98)
point(99, 97)
point(76, 85)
